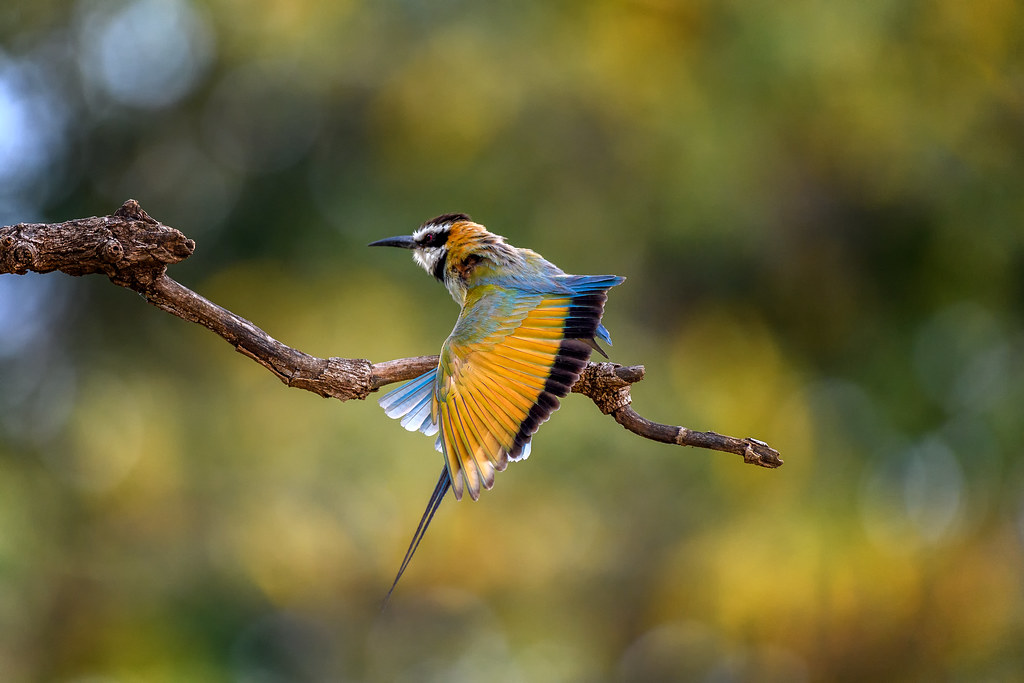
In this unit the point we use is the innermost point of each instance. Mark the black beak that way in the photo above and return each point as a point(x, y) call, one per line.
point(405, 242)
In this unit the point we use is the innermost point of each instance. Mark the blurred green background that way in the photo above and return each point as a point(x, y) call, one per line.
point(819, 209)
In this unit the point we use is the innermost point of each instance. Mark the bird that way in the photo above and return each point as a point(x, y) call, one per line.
point(525, 332)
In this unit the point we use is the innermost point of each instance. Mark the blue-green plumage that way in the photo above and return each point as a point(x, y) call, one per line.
point(524, 334)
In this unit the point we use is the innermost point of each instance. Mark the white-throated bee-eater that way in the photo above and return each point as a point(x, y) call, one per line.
point(524, 335)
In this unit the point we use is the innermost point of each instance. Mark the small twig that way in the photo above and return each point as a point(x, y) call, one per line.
point(753, 451)
point(134, 250)
point(608, 385)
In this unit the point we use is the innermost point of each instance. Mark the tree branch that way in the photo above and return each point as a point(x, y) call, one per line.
point(134, 250)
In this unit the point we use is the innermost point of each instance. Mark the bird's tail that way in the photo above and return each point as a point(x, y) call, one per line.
point(443, 483)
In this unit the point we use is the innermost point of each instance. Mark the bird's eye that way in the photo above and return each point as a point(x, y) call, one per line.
point(430, 239)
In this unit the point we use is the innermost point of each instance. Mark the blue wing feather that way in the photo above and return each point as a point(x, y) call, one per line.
point(411, 402)
point(591, 283)
point(525, 453)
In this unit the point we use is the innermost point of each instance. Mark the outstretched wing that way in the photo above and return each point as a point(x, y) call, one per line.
point(511, 356)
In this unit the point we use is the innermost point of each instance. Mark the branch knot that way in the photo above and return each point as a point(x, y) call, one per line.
point(132, 211)
point(607, 384)
point(111, 250)
point(23, 257)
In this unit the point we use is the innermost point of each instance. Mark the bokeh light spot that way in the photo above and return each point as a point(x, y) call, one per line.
point(26, 303)
point(32, 128)
point(915, 498)
point(958, 338)
point(445, 107)
point(110, 432)
point(149, 53)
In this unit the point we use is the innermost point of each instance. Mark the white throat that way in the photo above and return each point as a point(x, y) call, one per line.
point(428, 257)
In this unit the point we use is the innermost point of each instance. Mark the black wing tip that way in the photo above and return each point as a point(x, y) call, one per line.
point(572, 358)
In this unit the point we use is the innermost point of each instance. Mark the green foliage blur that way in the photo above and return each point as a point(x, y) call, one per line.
point(819, 208)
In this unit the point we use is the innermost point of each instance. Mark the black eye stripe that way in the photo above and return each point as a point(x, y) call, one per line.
point(433, 239)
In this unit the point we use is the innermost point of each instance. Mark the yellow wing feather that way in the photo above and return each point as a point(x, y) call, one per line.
point(490, 387)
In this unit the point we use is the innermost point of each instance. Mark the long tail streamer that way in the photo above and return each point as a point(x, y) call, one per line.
point(443, 483)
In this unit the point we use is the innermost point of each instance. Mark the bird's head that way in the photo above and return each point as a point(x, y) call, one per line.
point(431, 242)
